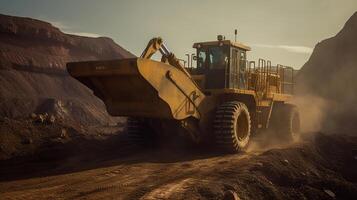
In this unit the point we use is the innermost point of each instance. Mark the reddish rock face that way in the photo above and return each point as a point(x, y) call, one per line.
point(33, 57)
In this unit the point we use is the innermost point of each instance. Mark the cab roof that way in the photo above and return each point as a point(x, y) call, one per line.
point(225, 42)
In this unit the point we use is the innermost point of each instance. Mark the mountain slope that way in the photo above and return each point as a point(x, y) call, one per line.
point(33, 55)
point(330, 73)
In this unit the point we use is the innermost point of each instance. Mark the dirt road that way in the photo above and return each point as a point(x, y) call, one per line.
point(321, 167)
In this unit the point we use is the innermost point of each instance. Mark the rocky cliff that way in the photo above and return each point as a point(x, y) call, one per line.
point(331, 74)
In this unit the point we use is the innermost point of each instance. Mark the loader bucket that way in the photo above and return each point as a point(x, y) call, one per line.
point(140, 88)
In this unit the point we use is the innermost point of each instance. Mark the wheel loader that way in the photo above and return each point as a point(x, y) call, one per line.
point(222, 101)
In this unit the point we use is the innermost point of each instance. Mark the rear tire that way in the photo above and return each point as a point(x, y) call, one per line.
point(285, 122)
point(232, 126)
point(290, 122)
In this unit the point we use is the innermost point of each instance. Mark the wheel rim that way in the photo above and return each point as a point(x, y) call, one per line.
point(242, 126)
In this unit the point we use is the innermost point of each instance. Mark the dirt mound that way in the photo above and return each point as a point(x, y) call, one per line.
point(34, 80)
point(33, 56)
point(330, 74)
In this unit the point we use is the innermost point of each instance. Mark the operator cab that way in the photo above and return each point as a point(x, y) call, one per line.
point(222, 64)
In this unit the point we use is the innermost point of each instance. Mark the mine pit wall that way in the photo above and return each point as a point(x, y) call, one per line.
point(33, 76)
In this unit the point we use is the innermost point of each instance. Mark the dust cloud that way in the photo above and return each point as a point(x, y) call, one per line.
point(264, 142)
point(327, 84)
point(312, 112)
point(330, 113)
point(327, 102)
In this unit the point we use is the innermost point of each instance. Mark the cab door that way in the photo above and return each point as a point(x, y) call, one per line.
point(242, 70)
point(234, 69)
point(237, 74)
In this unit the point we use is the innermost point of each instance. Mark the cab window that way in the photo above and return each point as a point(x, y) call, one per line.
point(213, 57)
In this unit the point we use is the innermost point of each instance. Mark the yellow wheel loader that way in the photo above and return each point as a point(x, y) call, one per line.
point(223, 100)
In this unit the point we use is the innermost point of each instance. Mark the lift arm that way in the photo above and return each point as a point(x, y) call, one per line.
point(151, 48)
point(156, 44)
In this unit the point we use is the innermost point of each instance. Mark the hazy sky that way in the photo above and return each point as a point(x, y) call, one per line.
point(284, 31)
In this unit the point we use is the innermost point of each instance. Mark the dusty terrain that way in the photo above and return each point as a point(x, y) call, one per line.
point(319, 167)
point(84, 154)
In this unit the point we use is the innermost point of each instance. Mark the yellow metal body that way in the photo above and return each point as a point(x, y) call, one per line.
point(144, 88)
point(140, 87)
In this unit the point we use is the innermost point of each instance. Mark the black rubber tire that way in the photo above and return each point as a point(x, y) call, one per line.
point(231, 127)
point(139, 132)
point(285, 122)
point(290, 123)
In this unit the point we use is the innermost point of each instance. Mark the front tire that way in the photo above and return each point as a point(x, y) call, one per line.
point(232, 126)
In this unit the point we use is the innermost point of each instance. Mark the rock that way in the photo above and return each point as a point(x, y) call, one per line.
point(41, 118)
point(27, 141)
point(33, 116)
point(330, 193)
point(63, 133)
point(52, 119)
point(230, 195)
point(271, 183)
